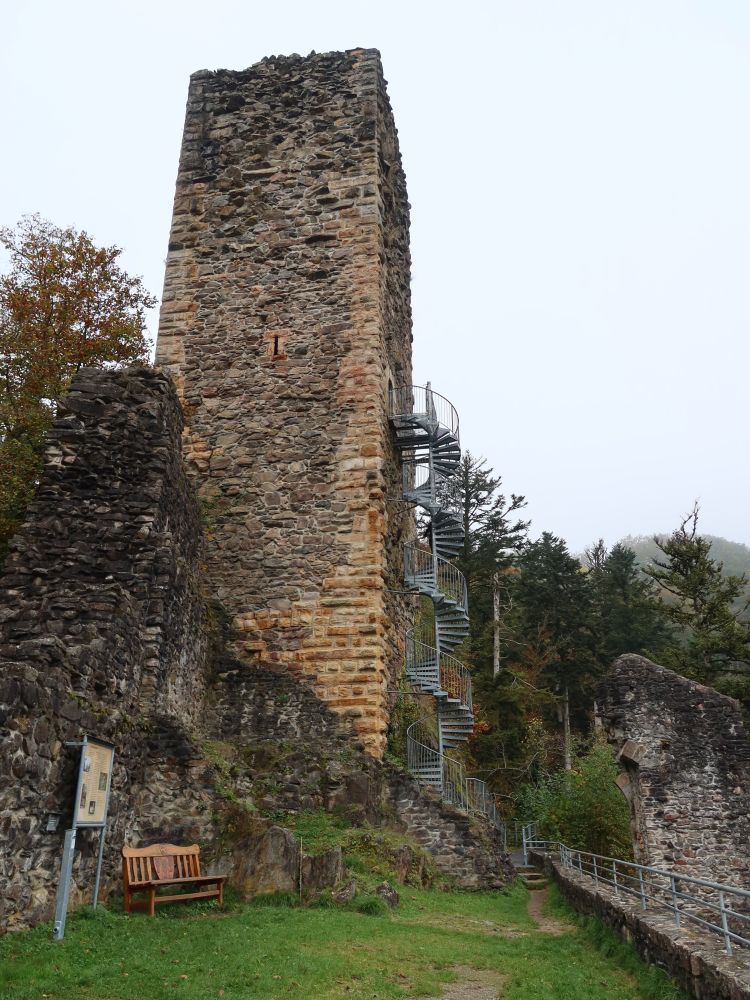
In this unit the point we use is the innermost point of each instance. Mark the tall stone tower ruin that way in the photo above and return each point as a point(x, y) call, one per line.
point(285, 320)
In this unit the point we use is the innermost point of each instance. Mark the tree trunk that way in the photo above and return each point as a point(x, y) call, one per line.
point(566, 728)
point(496, 627)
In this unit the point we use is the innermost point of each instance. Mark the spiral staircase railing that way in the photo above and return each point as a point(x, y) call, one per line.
point(427, 434)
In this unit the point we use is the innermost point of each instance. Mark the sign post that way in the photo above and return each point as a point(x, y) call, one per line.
point(89, 810)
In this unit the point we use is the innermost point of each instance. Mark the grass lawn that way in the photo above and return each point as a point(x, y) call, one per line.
point(270, 948)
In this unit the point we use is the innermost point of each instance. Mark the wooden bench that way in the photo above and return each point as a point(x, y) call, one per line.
point(145, 869)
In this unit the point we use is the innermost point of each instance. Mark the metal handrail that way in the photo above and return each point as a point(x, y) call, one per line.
point(415, 475)
point(470, 795)
point(421, 401)
point(711, 905)
point(419, 567)
point(452, 583)
point(450, 675)
point(419, 752)
point(455, 678)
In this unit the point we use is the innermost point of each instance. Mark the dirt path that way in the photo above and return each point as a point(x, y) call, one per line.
point(473, 984)
point(547, 925)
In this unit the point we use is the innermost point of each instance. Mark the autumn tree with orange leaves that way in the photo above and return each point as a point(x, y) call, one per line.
point(64, 303)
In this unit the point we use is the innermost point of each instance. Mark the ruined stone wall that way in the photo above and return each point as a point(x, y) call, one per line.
point(101, 633)
point(686, 761)
point(285, 317)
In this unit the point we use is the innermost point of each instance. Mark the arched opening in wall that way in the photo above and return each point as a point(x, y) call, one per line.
point(628, 782)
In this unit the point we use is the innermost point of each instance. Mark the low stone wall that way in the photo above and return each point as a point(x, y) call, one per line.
point(697, 962)
point(468, 851)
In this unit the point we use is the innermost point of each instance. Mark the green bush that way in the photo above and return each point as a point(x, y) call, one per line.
point(373, 906)
point(583, 807)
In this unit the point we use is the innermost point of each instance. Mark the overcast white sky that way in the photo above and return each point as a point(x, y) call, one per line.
point(579, 172)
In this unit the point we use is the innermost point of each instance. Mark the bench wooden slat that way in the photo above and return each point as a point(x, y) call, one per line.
point(144, 904)
point(201, 879)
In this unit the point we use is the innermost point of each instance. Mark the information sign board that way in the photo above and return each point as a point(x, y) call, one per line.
point(94, 780)
point(89, 810)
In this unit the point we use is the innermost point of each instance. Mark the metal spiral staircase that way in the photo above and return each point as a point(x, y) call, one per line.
point(426, 429)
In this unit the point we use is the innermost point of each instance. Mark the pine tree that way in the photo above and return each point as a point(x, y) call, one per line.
point(556, 627)
point(494, 532)
point(701, 601)
point(629, 616)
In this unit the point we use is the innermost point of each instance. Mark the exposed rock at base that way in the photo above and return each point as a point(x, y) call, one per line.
point(321, 871)
point(346, 893)
point(387, 893)
point(269, 863)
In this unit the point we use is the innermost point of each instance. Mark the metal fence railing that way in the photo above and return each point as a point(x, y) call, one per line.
point(717, 907)
point(421, 401)
point(452, 583)
point(419, 571)
point(449, 675)
point(419, 567)
point(448, 777)
point(455, 678)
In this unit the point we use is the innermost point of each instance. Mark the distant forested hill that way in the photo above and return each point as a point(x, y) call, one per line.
point(734, 555)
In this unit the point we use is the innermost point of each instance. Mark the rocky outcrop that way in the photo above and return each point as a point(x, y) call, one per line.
point(387, 893)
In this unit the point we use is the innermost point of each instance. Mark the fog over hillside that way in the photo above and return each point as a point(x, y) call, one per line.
point(734, 556)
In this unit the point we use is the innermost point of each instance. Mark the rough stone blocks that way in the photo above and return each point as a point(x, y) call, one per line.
point(285, 319)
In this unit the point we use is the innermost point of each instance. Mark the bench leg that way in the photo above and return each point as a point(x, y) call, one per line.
point(151, 901)
point(221, 893)
point(126, 901)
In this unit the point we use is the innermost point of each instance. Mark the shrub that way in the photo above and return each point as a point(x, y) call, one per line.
point(583, 807)
point(373, 906)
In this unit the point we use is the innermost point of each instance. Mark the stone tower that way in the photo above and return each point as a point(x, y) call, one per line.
point(285, 320)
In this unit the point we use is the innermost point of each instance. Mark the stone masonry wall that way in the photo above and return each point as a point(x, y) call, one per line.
point(100, 633)
point(693, 958)
point(285, 318)
point(287, 751)
point(686, 761)
point(104, 630)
